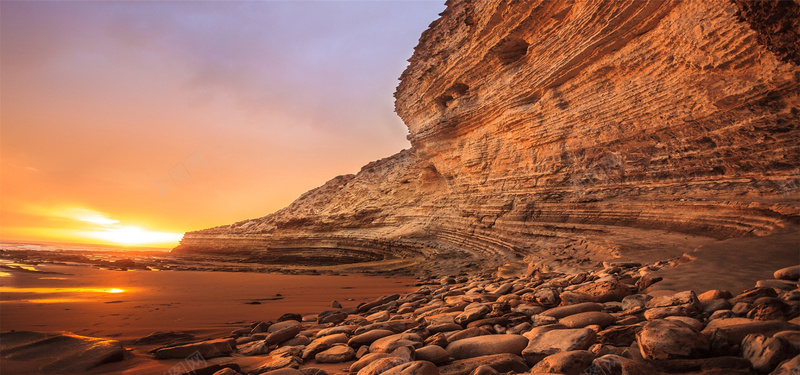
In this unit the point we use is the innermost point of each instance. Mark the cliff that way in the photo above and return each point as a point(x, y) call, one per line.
point(573, 130)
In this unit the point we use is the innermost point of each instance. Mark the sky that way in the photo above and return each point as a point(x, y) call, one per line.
point(132, 122)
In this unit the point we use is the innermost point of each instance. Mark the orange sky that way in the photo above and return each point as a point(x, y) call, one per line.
point(131, 122)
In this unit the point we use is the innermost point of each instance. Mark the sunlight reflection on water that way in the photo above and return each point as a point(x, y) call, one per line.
point(11, 289)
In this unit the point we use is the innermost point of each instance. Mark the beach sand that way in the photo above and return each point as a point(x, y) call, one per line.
point(125, 305)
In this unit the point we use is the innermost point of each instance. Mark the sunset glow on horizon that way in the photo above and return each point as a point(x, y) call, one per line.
point(130, 123)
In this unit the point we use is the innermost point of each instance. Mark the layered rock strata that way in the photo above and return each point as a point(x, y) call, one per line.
point(580, 130)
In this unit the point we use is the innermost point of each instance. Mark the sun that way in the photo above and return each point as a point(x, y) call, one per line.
point(131, 235)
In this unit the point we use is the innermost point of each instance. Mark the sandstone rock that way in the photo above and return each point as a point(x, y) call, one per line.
point(226, 371)
point(557, 341)
point(788, 367)
point(313, 371)
point(484, 370)
point(765, 353)
point(564, 311)
point(404, 352)
point(381, 365)
point(609, 364)
point(332, 316)
point(547, 297)
point(691, 322)
point(492, 104)
point(413, 368)
point(287, 351)
point(390, 343)
point(664, 339)
point(715, 305)
point(297, 340)
point(366, 360)
point(395, 326)
point(279, 336)
point(569, 363)
point(715, 366)
point(444, 327)
point(65, 352)
point(722, 314)
point(362, 351)
point(260, 328)
point(487, 345)
point(519, 328)
point(769, 309)
point(439, 339)
point(750, 295)
point(647, 281)
point(605, 291)
point(253, 348)
point(635, 301)
point(467, 333)
point(776, 284)
point(713, 294)
point(290, 317)
point(621, 336)
point(789, 273)
point(500, 362)
point(369, 337)
point(737, 328)
point(683, 298)
point(207, 349)
point(472, 314)
point(336, 354)
point(283, 371)
point(380, 316)
point(667, 311)
point(584, 319)
point(432, 353)
point(569, 297)
point(790, 337)
point(277, 363)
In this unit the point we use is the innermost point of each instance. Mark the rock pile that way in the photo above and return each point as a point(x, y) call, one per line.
point(599, 322)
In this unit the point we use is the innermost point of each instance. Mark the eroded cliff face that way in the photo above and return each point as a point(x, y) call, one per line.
point(579, 130)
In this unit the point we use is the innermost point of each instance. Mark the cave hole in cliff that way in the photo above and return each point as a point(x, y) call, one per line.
point(510, 50)
point(458, 89)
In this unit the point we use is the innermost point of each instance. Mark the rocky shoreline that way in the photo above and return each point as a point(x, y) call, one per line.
point(608, 320)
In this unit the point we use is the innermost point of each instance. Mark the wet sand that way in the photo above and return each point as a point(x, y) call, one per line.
point(733, 264)
point(130, 304)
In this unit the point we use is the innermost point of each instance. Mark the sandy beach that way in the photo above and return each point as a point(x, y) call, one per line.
point(132, 304)
point(126, 305)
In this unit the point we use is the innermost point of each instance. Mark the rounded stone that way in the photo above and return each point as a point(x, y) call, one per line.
point(487, 345)
point(432, 353)
point(564, 311)
point(605, 291)
point(366, 360)
point(367, 338)
point(569, 363)
point(664, 339)
point(380, 366)
point(413, 368)
point(584, 319)
point(336, 354)
point(788, 273)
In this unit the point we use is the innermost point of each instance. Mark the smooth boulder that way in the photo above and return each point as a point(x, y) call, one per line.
point(665, 339)
point(573, 362)
point(487, 345)
point(557, 341)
